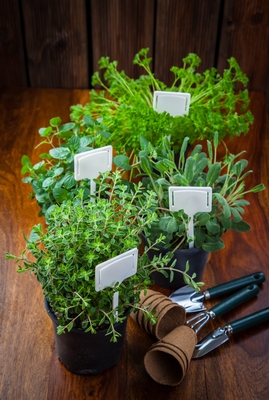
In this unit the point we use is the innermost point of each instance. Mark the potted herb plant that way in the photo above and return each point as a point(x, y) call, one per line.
point(225, 175)
point(80, 235)
point(125, 105)
point(122, 113)
point(52, 179)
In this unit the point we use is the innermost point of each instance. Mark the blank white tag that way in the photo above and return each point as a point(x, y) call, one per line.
point(191, 199)
point(175, 103)
point(90, 163)
point(116, 269)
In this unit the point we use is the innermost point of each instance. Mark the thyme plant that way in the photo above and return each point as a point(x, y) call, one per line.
point(82, 234)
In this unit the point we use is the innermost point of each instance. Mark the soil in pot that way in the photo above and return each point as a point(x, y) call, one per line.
point(86, 353)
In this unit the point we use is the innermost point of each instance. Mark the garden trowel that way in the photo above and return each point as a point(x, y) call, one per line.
point(192, 301)
point(192, 200)
point(115, 270)
point(175, 103)
point(90, 164)
point(221, 335)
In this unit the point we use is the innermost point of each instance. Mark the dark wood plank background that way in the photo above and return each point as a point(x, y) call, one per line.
point(58, 43)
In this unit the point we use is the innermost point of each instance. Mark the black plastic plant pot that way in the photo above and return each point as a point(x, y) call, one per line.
point(86, 353)
point(197, 258)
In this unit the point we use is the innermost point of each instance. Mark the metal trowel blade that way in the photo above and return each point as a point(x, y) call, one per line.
point(210, 342)
point(188, 298)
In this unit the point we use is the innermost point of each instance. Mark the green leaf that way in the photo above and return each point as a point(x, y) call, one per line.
point(161, 166)
point(86, 140)
point(89, 121)
point(48, 182)
point(143, 143)
point(216, 140)
point(213, 226)
point(25, 160)
point(60, 194)
point(122, 161)
point(55, 122)
point(213, 174)
point(241, 226)
point(67, 127)
point(74, 143)
point(209, 149)
point(44, 132)
point(104, 133)
point(213, 246)
point(145, 165)
point(200, 236)
point(38, 165)
point(27, 179)
point(258, 188)
point(201, 218)
point(168, 224)
point(189, 169)
point(180, 180)
point(225, 222)
point(238, 167)
point(68, 180)
point(183, 149)
point(223, 202)
point(58, 171)
point(236, 215)
point(34, 236)
point(60, 153)
point(25, 169)
point(42, 197)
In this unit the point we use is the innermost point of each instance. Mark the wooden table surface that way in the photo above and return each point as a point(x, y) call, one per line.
point(29, 368)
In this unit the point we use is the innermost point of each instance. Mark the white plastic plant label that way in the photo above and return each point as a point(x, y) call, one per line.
point(175, 103)
point(90, 163)
point(114, 270)
point(191, 199)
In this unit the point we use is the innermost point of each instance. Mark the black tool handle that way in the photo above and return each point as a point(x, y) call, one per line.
point(237, 298)
point(234, 285)
point(250, 320)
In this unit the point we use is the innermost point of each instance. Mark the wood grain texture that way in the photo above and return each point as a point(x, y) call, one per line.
point(120, 29)
point(56, 43)
point(245, 36)
point(12, 62)
point(26, 339)
point(184, 27)
point(29, 367)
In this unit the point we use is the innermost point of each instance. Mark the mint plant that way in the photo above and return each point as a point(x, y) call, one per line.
point(82, 234)
point(52, 179)
point(226, 176)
